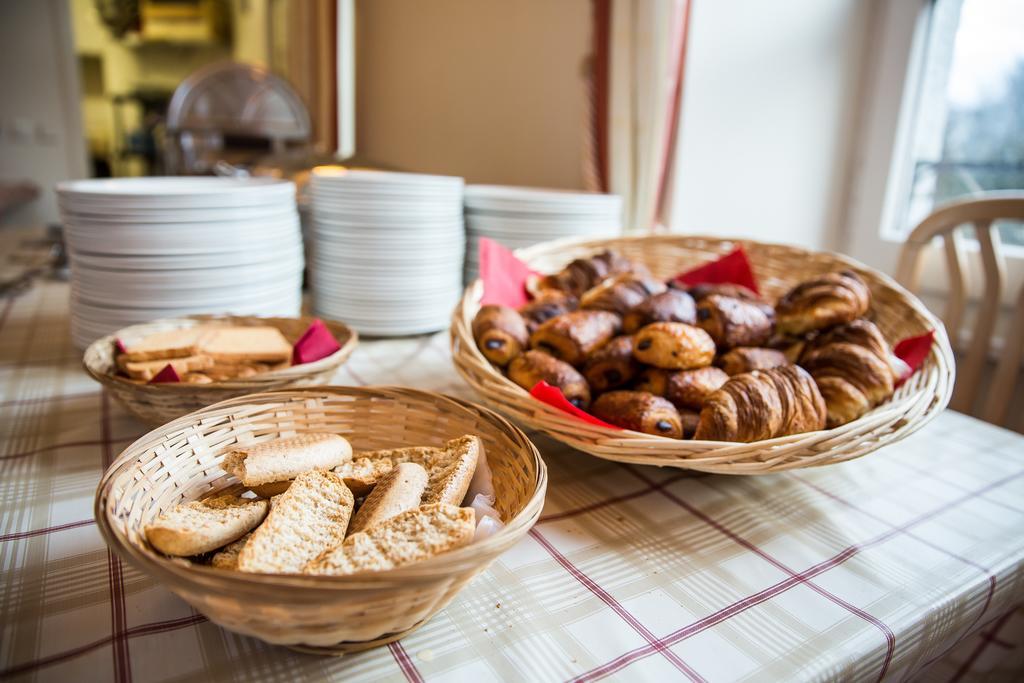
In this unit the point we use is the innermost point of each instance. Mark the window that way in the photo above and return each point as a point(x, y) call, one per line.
point(967, 131)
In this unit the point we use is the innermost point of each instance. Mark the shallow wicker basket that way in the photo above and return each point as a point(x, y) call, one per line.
point(156, 404)
point(329, 615)
point(777, 268)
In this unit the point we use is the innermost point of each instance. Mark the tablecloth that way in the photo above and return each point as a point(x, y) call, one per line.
point(904, 561)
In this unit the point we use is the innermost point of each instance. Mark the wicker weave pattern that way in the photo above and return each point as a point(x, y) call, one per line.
point(181, 461)
point(777, 268)
point(157, 404)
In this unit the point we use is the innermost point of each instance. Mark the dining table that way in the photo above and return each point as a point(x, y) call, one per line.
point(907, 563)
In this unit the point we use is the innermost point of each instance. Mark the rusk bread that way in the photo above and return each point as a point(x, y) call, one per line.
point(228, 345)
point(413, 536)
point(148, 369)
point(203, 525)
point(169, 344)
point(284, 459)
point(227, 557)
point(449, 468)
point(399, 490)
point(360, 476)
point(308, 519)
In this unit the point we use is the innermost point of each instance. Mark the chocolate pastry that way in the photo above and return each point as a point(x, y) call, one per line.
point(673, 346)
point(763, 404)
point(548, 304)
point(851, 378)
point(733, 322)
point(622, 292)
point(574, 336)
point(748, 358)
point(671, 306)
point(734, 291)
point(831, 299)
point(500, 333)
point(582, 274)
point(639, 411)
point(612, 365)
point(690, 419)
point(684, 388)
point(533, 366)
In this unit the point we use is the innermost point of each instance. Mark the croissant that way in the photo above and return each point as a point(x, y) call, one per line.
point(684, 388)
point(689, 419)
point(500, 332)
point(546, 305)
point(533, 366)
point(639, 411)
point(622, 292)
point(763, 404)
point(673, 346)
point(733, 291)
point(827, 300)
point(612, 365)
point(574, 336)
point(671, 306)
point(861, 332)
point(582, 274)
point(851, 378)
point(733, 322)
point(748, 358)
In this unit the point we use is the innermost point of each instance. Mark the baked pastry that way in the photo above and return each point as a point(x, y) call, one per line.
point(732, 290)
point(574, 336)
point(686, 389)
point(204, 525)
point(622, 292)
point(851, 378)
point(689, 419)
point(546, 305)
point(763, 404)
point(673, 346)
point(749, 358)
point(582, 274)
point(733, 322)
point(500, 333)
point(284, 459)
point(639, 411)
point(671, 306)
point(861, 332)
point(827, 300)
point(611, 366)
point(533, 366)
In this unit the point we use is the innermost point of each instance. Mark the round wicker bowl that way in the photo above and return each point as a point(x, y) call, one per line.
point(777, 268)
point(156, 404)
point(331, 615)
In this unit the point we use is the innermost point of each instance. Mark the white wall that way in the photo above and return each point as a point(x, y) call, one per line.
point(40, 125)
point(767, 118)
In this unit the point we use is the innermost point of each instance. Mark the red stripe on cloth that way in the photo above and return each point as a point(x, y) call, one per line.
point(405, 663)
point(555, 516)
point(115, 570)
point(982, 646)
point(780, 587)
point(616, 606)
point(48, 530)
point(674, 109)
point(143, 630)
point(47, 399)
point(66, 444)
point(957, 642)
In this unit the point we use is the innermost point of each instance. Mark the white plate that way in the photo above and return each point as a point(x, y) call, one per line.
point(353, 176)
point(239, 277)
point(182, 215)
point(174, 192)
point(171, 245)
point(241, 257)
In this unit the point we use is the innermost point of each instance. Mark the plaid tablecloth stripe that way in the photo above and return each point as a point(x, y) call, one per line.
point(907, 561)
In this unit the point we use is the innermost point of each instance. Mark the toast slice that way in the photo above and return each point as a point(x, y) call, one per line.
point(204, 525)
point(168, 344)
point(237, 345)
point(397, 491)
point(284, 459)
point(412, 536)
point(227, 557)
point(147, 369)
point(362, 474)
point(449, 468)
point(308, 519)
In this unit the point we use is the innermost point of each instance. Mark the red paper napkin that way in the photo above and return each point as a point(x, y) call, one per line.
point(553, 396)
point(316, 343)
point(913, 351)
point(119, 346)
point(166, 376)
point(503, 274)
point(733, 268)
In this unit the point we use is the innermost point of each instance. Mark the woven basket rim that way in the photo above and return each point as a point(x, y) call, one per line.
point(476, 553)
point(632, 444)
point(108, 377)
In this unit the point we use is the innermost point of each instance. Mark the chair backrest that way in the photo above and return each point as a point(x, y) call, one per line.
point(946, 223)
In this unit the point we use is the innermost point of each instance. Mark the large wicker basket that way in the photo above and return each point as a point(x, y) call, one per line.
point(330, 615)
point(156, 404)
point(897, 312)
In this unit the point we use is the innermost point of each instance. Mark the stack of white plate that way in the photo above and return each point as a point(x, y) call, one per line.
point(522, 216)
point(387, 249)
point(148, 248)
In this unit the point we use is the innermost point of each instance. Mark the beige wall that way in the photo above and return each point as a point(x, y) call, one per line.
point(490, 90)
point(768, 112)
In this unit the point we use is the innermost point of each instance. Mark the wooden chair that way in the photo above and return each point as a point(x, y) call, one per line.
point(947, 223)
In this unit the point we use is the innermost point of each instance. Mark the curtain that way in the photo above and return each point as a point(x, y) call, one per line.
point(637, 75)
